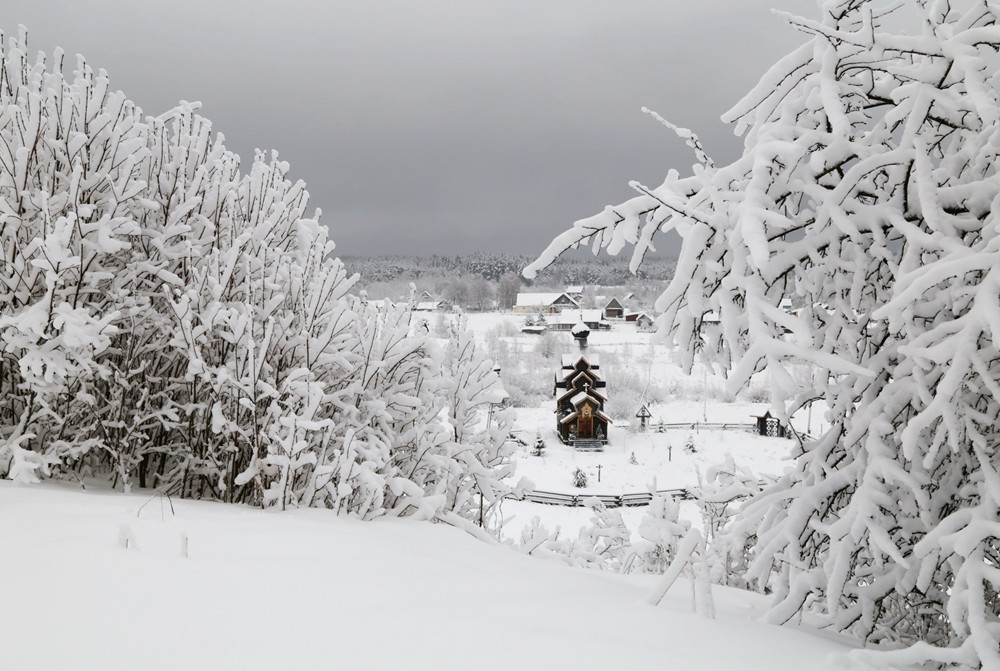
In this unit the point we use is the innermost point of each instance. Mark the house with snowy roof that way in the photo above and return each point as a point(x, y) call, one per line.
point(580, 398)
point(614, 309)
point(432, 306)
point(550, 303)
point(642, 321)
point(567, 319)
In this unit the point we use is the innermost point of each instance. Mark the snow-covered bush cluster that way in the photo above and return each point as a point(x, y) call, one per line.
point(606, 543)
point(868, 194)
point(172, 319)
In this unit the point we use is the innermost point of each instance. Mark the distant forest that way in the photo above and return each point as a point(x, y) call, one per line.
point(475, 280)
point(599, 270)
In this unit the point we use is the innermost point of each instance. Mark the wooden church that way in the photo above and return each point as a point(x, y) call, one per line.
point(580, 399)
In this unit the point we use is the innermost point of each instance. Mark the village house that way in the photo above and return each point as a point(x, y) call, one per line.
point(567, 319)
point(642, 321)
point(580, 398)
point(613, 309)
point(432, 306)
point(549, 303)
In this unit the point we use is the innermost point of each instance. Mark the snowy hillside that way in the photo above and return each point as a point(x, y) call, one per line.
point(306, 589)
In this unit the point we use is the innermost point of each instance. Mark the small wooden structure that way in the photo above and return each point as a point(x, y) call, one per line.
point(643, 416)
point(580, 418)
point(770, 426)
point(641, 320)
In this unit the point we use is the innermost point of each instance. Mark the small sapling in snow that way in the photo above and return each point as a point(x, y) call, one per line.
point(539, 448)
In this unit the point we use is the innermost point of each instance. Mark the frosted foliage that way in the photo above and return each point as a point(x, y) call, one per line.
point(719, 494)
point(169, 319)
point(484, 453)
point(661, 531)
point(868, 194)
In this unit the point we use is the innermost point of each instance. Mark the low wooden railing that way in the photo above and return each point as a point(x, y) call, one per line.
point(609, 500)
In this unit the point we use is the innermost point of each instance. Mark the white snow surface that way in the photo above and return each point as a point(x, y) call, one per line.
point(306, 589)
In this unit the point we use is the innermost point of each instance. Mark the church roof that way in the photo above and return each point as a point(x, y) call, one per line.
point(570, 360)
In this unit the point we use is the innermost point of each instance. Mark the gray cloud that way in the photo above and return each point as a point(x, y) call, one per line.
point(440, 126)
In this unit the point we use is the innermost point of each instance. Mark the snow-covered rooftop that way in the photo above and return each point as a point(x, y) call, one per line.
point(569, 360)
point(538, 299)
point(428, 306)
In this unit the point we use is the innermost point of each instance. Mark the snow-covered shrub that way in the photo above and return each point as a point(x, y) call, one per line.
point(538, 541)
point(481, 457)
point(579, 478)
point(725, 487)
point(528, 380)
point(605, 542)
point(757, 393)
point(661, 531)
point(547, 345)
point(442, 325)
point(630, 387)
point(867, 193)
point(508, 329)
point(170, 320)
point(721, 394)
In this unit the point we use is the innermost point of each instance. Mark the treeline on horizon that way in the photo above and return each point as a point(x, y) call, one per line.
point(492, 266)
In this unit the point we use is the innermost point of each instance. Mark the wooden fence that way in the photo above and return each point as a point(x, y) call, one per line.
point(750, 427)
point(640, 498)
point(609, 500)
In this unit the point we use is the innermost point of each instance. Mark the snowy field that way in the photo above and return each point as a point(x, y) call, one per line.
point(306, 589)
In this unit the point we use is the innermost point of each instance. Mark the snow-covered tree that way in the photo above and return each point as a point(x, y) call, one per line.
point(507, 289)
point(539, 447)
point(867, 193)
point(483, 454)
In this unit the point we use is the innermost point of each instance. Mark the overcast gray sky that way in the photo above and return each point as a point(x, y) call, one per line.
point(438, 126)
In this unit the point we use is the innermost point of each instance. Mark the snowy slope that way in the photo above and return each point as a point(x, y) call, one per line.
point(305, 589)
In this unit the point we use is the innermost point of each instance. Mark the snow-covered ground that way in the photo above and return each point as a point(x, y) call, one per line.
point(305, 589)
point(661, 459)
point(211, 586)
